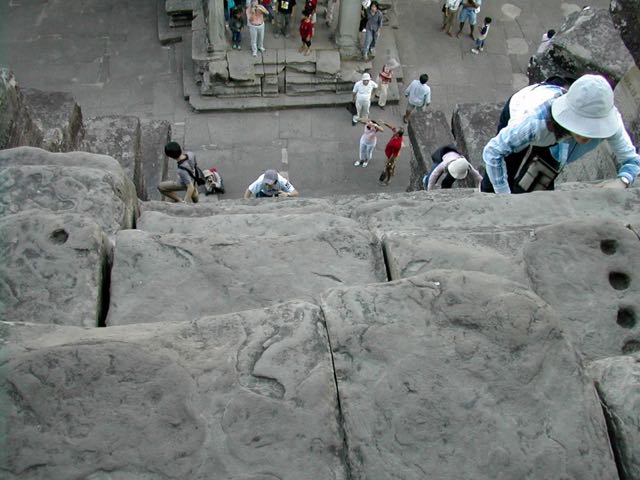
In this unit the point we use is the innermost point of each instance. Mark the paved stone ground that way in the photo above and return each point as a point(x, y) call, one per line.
point(108, 56)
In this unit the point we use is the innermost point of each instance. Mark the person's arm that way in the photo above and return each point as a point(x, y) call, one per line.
point(626, 155)
point(263, 9)
point(286, 189)
point(427, 99)
point(476, 175)
point(354, 91)
point(247, 194)
point(510, 139)
point(433, 178)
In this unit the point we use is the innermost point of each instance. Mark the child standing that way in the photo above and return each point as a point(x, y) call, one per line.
point(484, 31)
point(368, 142)
point(392, 152)
point(384, 80)
point(306, 32)
point(236, 24)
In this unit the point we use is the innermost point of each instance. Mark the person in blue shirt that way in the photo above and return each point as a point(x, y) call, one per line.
point(528, 155)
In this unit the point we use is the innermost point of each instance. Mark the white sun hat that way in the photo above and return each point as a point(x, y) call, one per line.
point(459, 168)
point(587, 108)
point(366, 76)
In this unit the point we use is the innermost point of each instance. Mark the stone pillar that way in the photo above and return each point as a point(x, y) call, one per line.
point(215, 26)
point(347, 36)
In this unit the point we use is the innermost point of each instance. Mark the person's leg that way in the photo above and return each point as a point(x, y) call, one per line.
point(169, 188)
point(473, 17)
point(253, 32)
point(308, 48)
point(407, 114)
point(366, 104)
point(287, 21)
point(372, 46)
point(463, 18)
point(260, 39)
point(279, 22)
point(368, 154)
point(368, 38)
point(359, 107)
point(383, 92)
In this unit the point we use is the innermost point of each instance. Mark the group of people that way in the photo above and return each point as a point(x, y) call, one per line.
point(465, 11)
point(254, 13)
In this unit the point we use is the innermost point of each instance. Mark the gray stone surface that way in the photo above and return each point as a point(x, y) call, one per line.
point(627, 100)
point(240, 66)
point(408, 255)
point(327, 62)
point(154, 135)
point(586, 271)
point(73, 182)
point(243, 225)
point(223, 275)
point(52, 268)
point(219, 70)
point(450, 362)
point(119, 137)
point(626, 18)
point(617, 380)
point(298, 61)
point(473, 125)
point(17, 128)
point(58, 116)
point(427, 131)
point(587, 42)
point(245, 396)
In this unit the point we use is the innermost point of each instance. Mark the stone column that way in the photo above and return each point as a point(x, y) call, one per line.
point(347, 37)
point(215, 26)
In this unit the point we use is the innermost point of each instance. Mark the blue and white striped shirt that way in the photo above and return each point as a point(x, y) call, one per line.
point(533, 130)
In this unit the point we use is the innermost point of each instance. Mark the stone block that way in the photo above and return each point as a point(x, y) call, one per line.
point(627, 100)
point(17, 128)
point(58, 116)
point(327, 62)
point(598, 164)
point(73, 182)
point(625, 15)
point(617, 381)
point(178, 7)
point(299, 62)
point(285, 206)
point(300, 266)
point(586, 271)
point(236, 89)
point(587, 42)
point(427, 131)
point(242, 225)
point(53, 268)
point(219, 70)
point(154, 135)
point(452, 361)
point(270, 85)
point(232, 396)
point(240, 66)
point(473, 125)
point(119, 137)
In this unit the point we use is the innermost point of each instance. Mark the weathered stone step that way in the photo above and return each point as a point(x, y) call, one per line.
point(239, 225)
point(223, 274)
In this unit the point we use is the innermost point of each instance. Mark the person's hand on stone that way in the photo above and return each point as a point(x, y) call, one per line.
point(613, 183)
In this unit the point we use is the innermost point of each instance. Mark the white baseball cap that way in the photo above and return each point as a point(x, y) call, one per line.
point(587, 108)
point(366, 76)
point(459, 168)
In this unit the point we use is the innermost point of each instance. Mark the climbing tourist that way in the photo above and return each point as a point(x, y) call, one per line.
point(368, 142)
point(270, 184)
point(362, 91)
point(448, 166)
point(255, 19)
point(284, 9)
point(186, 171)
point(469, 13)
point(529, 155)
point(392, 152)
point(372, 30)
point(306, 32)
point(418, 95)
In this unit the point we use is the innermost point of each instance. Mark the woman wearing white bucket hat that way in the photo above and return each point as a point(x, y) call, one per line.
point(529, 155)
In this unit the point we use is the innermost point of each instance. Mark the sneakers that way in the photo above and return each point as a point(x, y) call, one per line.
point(475, 51)
point(262, 49)
point(255, 54)
point(356, 163)
point(364, 164)
point(354, 120)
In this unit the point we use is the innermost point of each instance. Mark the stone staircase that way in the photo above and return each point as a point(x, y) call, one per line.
point(352, 337)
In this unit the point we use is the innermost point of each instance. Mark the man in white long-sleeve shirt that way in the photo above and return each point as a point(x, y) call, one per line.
point(418, 95)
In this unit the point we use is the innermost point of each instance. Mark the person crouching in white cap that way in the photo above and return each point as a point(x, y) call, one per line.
point(529, 155)
point(271, 184)
point(448, 166)
point(362, 91)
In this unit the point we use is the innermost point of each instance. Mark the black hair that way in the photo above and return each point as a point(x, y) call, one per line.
point(374, 3)
point(488, 20)
point(424, 78)
point(551, 33)
point(307, 12)
point(173, 150)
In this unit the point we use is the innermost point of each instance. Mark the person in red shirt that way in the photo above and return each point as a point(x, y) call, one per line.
point(392, 151)
point(311, 6)
point(306, 32)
